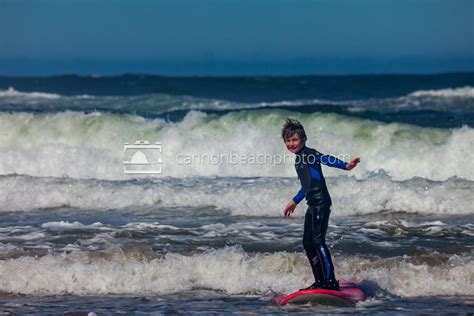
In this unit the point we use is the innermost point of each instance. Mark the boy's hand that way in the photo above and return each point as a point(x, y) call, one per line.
point(351, 164)
point(289, 208)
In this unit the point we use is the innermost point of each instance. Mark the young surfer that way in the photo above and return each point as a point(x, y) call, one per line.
point(313, 187)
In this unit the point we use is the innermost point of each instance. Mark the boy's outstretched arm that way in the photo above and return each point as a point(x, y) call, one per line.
point(332, 161)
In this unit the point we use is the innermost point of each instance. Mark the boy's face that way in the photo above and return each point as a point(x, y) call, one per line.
point(294, 143)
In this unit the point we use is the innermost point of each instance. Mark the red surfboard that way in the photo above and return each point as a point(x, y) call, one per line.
point(348, 295)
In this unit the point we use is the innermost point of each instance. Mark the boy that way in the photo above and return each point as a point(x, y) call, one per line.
point(313, 188)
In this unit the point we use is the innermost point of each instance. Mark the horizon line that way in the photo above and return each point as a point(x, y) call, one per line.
point(158, 75)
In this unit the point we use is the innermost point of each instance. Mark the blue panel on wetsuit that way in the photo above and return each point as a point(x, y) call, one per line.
point(333, 162)
point(299, 196)
point(314, 173)
point(325, 259)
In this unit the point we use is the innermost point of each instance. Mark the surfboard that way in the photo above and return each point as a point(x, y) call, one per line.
point(348, 295)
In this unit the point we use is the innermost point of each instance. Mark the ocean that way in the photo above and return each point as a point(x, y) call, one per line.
point(150, 195)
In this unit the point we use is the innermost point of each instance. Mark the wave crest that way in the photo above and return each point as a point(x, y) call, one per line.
point(229, 269)
point(249, 197)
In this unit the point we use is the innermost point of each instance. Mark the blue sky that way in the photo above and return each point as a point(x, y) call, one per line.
point(230, 36)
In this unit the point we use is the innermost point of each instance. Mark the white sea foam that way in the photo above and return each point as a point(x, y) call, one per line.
point(230, 270)
point(11, 92)
point(464, 92)
point(253, 197)
point(30, 236)
point(143, 226)
point(81, 145)
point(62, 225)
point(15, 229)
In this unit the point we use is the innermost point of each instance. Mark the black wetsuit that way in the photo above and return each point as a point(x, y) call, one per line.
point(313, 187)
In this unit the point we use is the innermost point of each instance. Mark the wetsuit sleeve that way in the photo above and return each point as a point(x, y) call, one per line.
point(332, 161)
point(299, 196)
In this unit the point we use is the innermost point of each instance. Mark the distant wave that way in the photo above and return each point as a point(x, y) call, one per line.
point(237, 196)
point(11, 92)
point(455, 99)
point(85, 146)
point(465, 92)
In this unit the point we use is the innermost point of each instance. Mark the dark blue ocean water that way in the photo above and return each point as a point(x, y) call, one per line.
point(425, 100)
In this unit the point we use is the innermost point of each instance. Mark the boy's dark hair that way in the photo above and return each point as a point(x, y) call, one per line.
point(292, 127)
